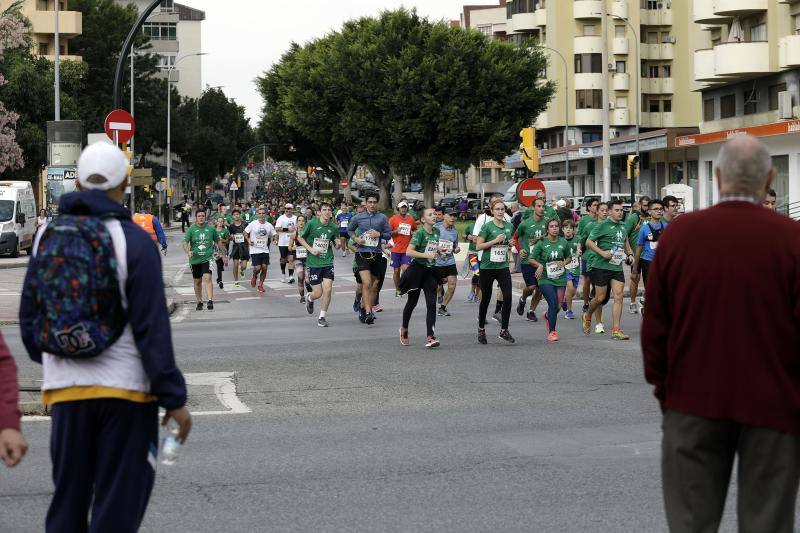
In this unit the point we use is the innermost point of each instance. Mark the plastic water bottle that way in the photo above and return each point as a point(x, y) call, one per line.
point(170, 447)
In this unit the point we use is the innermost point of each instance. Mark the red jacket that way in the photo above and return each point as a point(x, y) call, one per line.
point(9, 389)
point(721, 336)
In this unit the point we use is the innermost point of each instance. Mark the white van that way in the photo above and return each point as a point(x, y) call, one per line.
point(554, 190)
point(17, 217)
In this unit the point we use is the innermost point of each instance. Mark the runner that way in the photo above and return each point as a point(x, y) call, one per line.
point(550, 256)
point(633, 223)
point(588, 258)
point(421, 277)
point(239, 252)
point(647, 243)
point(368, 229)
point(300, 256)
point(198, 243)
point(573, 269)
point(351, 244)
point(608, 240)
point(403, 226)
point(592, 206)
point(343, 219)
point(495, 237)
point(482, 219)
point(221, 250)
point(258, 234)
point(285, 226)
point(472, 265)
point(530, 231)
point(446, 271)
point(319, 237)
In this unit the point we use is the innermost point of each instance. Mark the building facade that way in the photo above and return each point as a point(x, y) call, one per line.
point(747, 71)
point(41, 14)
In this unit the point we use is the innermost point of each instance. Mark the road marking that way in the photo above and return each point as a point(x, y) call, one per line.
point(224, 388)
point(179, 274)
point(248, 298)
point(182, 316)
point(185, 291)
point(10, 294)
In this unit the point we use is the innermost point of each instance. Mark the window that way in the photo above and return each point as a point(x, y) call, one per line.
point(619, 31)
point(589, 29)
point(666, 37)
point(758, 32)
point(589, 99)
point(588, 63)
point(727, 106)
point(621, 67)
point(650, 4)
point(652, 37)
point(590, 137)
point(166, 61)
point(708, 109)
point(667, 71)
point(167, 6)
point(160, 31)
point(667, 106)
point(44, 49)
point(750, 107)
point(773, 95)
point(653, 106)
point(622, 102)
point(485, 29)
point(652, 71)
point(797, 24)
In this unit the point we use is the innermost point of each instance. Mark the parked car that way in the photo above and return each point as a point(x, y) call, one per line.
point(17, 217)
point(474, 208)
point(450, 201)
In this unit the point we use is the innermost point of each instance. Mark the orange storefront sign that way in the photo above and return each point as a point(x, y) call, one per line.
point(767, 130)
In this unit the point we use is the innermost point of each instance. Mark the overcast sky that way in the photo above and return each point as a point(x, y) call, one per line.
point(245, 37)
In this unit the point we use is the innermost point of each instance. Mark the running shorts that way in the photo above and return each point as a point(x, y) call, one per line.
point(317, 274)
point(201, 269)
point(399, 259)
point(260, 259)
point(529, 275)
point(601, 277)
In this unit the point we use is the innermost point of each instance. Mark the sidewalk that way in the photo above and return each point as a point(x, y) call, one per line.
point(19, 262)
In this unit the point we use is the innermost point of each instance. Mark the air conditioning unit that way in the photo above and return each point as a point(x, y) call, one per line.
point(785, 104)
point(612, 67)
point(612, 106)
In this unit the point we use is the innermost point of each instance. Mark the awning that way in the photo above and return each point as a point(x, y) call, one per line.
point(767, 130)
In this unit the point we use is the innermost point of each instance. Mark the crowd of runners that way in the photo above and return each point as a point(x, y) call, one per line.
point(559, 258)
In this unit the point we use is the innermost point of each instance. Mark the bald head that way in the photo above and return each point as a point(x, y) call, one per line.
point(744, 166)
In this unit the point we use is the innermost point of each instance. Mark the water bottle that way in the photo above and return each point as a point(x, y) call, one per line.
point(170, 447)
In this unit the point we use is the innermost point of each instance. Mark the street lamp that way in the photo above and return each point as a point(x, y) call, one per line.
point(566, 106)
point(169, 122)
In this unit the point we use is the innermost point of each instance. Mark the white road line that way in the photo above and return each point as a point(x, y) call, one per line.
point(224, 388)
point(184, 291)
point(179, 274)
point(248, 298)
point(182, 316)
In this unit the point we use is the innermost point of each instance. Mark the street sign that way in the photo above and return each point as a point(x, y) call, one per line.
point(234, 187)
point(527, 189)
point(344, 184)
point(160, 186)
point(120, 122)
point(141, 181)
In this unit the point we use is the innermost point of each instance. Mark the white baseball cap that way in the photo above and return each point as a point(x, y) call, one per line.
point(102, 159)
point(402, 204)
point(288, 206)
point(561, 203)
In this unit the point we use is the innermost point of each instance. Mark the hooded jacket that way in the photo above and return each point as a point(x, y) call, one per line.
point(140, 365)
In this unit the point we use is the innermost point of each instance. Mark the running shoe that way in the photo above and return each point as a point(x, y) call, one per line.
point(440, 299)
point(397, 293)
point(310, 306)
point(600, 329)
point(221, 285)
point(291, 280)
point(283, 279)
point(497, 317)
point(261, 287)
point(321, 322)
point(377, 308)
point(587, 324)
point(356, 306)
point(370, 319)
point(471, 297)
point(521, 307)
point(253, 281)
point(569, 314)
point(404, 337)
point(506, 336)
point(531, 317)
point(210, 305)
point(362, 315)
point(481, 336)
point(619, 335)
point(432, 342)
point(242, 271)
point(585, 308)
point(302, 299)
point(563, 306)
point(199, 306)
point(236, 285)
point(443, 311)
point(634, 307)
point(552, 336)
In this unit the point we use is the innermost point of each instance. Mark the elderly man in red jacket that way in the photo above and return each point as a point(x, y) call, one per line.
point(12, 444)
point(721, 345)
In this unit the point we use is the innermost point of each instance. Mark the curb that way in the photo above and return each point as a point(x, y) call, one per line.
point(5, 266)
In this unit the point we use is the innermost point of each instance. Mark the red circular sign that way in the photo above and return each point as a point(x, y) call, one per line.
point(527, 189)
point(344, 184)
point(121, 123)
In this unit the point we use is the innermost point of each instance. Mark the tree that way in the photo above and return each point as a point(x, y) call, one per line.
point(12, 35)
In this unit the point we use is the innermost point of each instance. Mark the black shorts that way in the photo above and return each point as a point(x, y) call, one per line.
point(374, 262)
point(259, 259)
point(601, 277)
point(284, 250)
point(317, 274)
point(239, 251)
point(444, 272)
point(200, 269)
point(644, 268)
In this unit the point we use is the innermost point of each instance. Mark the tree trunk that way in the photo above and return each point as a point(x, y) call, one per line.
point(398, 186)
point(429, 178)
point(383, 179)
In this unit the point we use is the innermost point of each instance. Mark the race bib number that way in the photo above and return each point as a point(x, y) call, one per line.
point(344, 223)
point(238, 238)
point(498, 254)
point(370, 241)
point(573, 265)
point(432, 246)
point(446, 246)
point(404, 229)
point(653, 245)
point(554, 270)
point(261, 242)
point(321, 245)
point(617, 257)
point(300, 252)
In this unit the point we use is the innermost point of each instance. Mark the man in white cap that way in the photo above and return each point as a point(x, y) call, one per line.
point(403, 226)
point(285, 226)
point(106, 348)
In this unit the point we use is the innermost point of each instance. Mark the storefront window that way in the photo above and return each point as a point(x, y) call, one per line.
point(781, 183)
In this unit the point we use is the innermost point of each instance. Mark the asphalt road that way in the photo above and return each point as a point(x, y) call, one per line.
point(349, 431)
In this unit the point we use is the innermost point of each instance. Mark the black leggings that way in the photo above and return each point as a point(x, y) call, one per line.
point(428, 286)
point(487, 278)
point(220, 268)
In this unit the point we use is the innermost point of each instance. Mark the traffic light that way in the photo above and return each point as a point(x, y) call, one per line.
point(530, 154)
point(633, 166)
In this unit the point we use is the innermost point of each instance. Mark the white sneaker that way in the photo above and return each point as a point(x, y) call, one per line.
point(599, 328)
point(283, 279)
point(634, 307)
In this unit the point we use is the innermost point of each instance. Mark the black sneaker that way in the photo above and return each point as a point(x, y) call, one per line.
point(291, 280)
point(321, 322)
point(521, 307)
point(506, 336)
point(370, 319)
point(310, 305)
point(199, 306)
point(481, 336)
point(221, 285)
point(210, 305)
point(531, 316)
point(443, 311)
point(585, 308)
point(302, 299)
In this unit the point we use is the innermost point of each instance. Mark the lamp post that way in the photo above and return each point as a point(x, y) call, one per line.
point(169, 124)
point(566, 107)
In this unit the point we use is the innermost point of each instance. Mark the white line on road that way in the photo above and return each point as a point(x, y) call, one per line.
point(248, 298)
point(179, 274)
point(182, 316)
point(224, 388)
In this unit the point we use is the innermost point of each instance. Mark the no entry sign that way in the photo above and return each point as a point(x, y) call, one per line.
point(121, 123)
point(344, 184)
point(527, 189)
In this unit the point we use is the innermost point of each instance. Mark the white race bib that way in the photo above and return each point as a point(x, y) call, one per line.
point(498, 254)
point(432, 246)
point(404, 229)
point(261, 242)
point(344, 223)
point(653, 245)
point(321, 245)
point(300, 252)
point(238, 238)
point(617, 257)
point(554, 270)
point(370, 241)
point(573, 265)
point(446, 246)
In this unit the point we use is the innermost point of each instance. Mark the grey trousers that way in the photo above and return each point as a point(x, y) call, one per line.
point(697, 459)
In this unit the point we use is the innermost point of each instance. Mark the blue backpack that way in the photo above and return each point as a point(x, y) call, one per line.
point(75, 288)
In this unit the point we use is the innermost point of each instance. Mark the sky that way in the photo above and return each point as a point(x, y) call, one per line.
point(244, 38)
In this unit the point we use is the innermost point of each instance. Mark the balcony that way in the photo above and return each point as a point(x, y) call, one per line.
point(704, 66)
point(588, 117)
point(655, 17)
point(658, 51)
point(741, 59)
point(70, 23)
point(586, 9)
point(619, 117)
point(704, 13)
point(588, 44)
point(541, 17)
point(739, 8)
point(589, 81)
point(658, 120)
point(619, 8)
point(657, 86)
point(621, 82)
point(542, 122)
point(619, 47)
point(523, 22)
point(789, 51)
point(62, 57)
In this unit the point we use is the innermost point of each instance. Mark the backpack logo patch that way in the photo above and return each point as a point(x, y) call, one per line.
point(76, 340)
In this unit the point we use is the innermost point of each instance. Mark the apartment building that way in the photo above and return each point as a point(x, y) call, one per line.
point(747, 71)
point(175, 31)
point(41, 14)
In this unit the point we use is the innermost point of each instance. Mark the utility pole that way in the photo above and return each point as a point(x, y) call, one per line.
point(605, 102)
point(133, 153)
point(57, 66)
